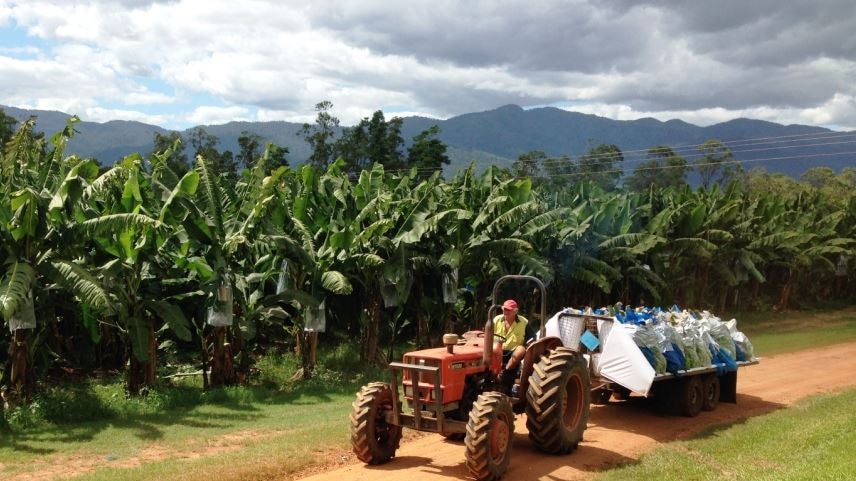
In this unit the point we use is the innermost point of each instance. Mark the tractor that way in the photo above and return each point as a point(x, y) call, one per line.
point(461, 390)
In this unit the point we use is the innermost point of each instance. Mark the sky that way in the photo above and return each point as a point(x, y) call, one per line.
point(183, 63)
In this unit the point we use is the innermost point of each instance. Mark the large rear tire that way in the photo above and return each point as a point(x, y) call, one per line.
point(558, 401)
point(490, 430)
point(373, 440)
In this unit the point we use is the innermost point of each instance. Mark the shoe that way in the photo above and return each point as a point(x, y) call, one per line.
point(506, 378)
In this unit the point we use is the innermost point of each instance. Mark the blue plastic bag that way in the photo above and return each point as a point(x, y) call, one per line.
point(674, 360)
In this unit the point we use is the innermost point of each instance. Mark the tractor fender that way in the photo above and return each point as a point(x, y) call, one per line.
point(533, 354)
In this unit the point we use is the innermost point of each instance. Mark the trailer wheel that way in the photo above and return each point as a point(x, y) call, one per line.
point(558, 401)
point(489, 433)
point(711, 392)
point(692, 396)
point(622, 394)
point(373, 440)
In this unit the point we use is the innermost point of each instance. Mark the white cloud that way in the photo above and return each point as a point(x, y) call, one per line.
point(272, 60)
point(100, 114)
point(210, 115)
point(839, 113)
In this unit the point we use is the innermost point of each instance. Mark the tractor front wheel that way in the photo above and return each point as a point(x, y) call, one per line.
point(373, 439)
point(489, 433)
point(558, 401)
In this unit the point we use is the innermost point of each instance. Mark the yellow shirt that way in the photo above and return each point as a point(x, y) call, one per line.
point(515, 336)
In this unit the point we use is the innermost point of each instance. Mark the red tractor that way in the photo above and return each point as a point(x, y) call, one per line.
point(459, 390)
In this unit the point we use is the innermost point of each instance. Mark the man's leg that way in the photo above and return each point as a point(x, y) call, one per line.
point(516, 356)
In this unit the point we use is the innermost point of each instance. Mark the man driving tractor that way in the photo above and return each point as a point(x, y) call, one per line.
point(514, 330)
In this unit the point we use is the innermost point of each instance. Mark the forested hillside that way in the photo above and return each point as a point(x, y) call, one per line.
point(499, 136)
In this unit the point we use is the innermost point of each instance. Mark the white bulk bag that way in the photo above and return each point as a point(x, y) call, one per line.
point(621, 361)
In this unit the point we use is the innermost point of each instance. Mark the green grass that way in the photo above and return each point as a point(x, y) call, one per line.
point(277, 433)
point(776, 333)
point(812, 440)
point(273, 428)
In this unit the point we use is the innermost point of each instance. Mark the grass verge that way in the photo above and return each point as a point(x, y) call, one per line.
point(812, 440)
point(776, 333)
point(90, 430)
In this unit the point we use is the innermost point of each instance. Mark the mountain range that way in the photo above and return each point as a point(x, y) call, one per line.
point(499, 136)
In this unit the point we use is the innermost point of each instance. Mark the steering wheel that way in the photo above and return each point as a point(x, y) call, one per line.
point(480, 335)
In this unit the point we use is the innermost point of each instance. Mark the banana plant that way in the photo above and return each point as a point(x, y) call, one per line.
point(799, 243)
point(41, 192)
point(131, 220)
point(309, 231)
point(482, 230)
point(224, 232)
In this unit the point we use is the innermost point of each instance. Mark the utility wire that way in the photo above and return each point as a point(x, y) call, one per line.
point(607, 158)
point(734, 153)
point(663, 167)
point(773, 139)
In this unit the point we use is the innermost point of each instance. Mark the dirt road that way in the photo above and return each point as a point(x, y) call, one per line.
point(621, 431)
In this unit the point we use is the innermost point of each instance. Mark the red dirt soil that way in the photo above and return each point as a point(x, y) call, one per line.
point(621, 431)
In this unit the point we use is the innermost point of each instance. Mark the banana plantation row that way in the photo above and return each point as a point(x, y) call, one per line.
point(105, 268)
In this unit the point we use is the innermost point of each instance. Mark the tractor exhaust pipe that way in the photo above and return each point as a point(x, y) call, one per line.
point(487, 357)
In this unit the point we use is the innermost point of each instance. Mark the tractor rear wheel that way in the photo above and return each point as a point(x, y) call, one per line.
point(558, 401)
point(489, 433)
point(373, 440)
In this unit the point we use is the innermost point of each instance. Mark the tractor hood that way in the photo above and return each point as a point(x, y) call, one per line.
point(441, 354)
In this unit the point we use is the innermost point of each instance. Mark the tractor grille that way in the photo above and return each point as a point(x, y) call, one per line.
point(426, 391)
point(424, 377)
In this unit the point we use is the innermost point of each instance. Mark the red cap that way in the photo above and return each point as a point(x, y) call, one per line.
point(509, 305)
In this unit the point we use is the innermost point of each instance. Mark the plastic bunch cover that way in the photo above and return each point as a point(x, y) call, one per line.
point(25, 316)
point(282, 282)
point(220, 314)
point(646, 338)
point(450, 287)
point(745, 350)
point(719, 333)
point(316, 318)
point(696, 352)
point(672, 346)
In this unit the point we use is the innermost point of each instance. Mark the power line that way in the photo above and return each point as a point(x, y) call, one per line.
point(663, 167)
point(608, 158)
point(772, 139)
point(627, 162)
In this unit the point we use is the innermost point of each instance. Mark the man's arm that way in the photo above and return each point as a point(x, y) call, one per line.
point(530, 334)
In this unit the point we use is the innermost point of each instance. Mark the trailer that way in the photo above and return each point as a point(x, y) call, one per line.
point(626, 370)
